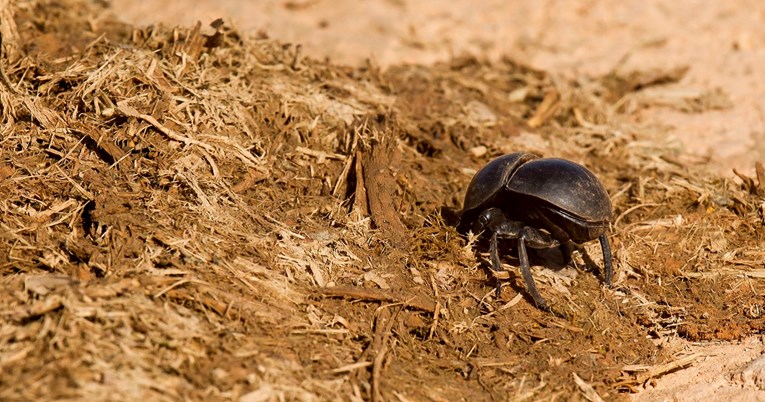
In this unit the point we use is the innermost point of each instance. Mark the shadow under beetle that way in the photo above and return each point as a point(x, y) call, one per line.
point(540, 202)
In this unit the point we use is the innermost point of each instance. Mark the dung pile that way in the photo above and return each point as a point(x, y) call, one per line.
point(189, 213)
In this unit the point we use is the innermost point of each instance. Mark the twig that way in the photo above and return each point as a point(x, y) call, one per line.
point(129, 111)
point(324, 331)
point(633, 208)
point(3, 76)
point(353, 292)
point(381, 186)
point(437, 310)
point(40, 308)
point(587, 389)
point(348, 163)
point(650, 372)
point(77, 186)
point(17, 356)
point(350, 367)
point(384, 320)
point(492, 362)
point(547, 109)
point(754, 274)
point(360, 202)
point(296, 59)
point(176, 284)
point(377, 371)
point(760, 171)
point(321, 156)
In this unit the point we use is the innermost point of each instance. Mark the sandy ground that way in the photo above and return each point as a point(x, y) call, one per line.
point(726, 372)
point(721, 43)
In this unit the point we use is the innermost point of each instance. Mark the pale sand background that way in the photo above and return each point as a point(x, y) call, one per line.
point(722, 42)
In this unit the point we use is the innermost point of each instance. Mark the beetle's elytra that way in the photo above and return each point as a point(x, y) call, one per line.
point(541, 202)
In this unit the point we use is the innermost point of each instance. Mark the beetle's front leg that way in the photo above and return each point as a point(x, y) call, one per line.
point(495, 264)
point(537, 239)
point(526, 272)
point(533, 238)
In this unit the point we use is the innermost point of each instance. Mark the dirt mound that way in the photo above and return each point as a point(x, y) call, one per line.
point(190, 213)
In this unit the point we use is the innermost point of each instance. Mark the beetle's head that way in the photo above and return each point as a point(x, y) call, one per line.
point(488, 219)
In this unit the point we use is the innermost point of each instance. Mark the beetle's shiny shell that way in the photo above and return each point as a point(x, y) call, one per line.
point(488, 181)
point(563, 184)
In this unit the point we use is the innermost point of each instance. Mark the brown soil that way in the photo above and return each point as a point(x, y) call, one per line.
point(201, 214)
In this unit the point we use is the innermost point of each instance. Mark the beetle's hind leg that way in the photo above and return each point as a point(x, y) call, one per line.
point(567, 251)
point(607, 263)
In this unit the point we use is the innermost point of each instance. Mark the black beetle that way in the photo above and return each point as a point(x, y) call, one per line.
point(541, 202)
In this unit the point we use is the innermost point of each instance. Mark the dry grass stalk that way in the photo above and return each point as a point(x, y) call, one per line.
point(587, 389)
point(646, 373)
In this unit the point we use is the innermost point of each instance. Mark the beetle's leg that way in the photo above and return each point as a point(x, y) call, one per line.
point(537, 239)
point(495, 265)
point(606, 259)
point(526, 272)
point(507, 229)
point(566, 251)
